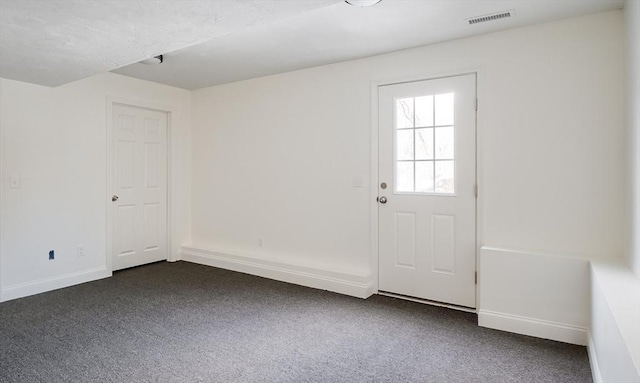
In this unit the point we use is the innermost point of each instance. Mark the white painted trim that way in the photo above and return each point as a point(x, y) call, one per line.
point(478, 71)
point(424, 76)
point(108, 179)
point(360, 286)
point(53, 283)
point(614, 286)
point(2, 183)
point(170, 112)
point(593, 360)
point(428, 302)
point(480, 115)
point(375, 179)
point(533, 327)
point(551, 255)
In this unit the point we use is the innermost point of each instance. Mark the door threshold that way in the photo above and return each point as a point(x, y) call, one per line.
point(140, 265)
point(428, 302)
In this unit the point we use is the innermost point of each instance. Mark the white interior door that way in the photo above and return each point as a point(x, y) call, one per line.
point(139, 184)
point(427, 197)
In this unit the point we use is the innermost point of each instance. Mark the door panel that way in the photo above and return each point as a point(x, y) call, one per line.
point(427, 158)
point(405, 238)
point(140, 184)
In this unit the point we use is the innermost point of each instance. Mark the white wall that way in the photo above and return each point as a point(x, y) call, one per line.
point(614, 342)
point(54, 141)
point(632, 22)
point(614, 345)
point(543, 295)
point(273, 161)
point(274, 157)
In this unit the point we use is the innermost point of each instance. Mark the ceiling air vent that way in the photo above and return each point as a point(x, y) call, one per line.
point(491, 17)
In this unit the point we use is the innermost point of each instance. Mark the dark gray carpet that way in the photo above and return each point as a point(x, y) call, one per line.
point(181, 322)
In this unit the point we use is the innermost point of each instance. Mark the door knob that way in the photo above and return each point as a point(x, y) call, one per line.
point(382, 199)
point(114, 198)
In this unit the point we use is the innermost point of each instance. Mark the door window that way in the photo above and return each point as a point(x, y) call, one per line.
point(425, 144)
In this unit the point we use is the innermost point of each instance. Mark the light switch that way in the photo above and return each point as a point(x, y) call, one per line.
point(14, 182)
point(358, 182)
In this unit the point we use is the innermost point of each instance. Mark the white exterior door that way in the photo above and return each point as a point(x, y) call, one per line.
point(426, 189)
point(139, 184)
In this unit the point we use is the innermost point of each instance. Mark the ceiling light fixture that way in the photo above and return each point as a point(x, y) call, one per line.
point(362, 3)
point(153, 61)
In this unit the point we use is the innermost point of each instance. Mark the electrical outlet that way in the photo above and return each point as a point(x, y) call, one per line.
point(81, 251)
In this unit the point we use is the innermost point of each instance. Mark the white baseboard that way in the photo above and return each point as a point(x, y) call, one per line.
point(360, 286)
point(533, 327)
point(53, 283)
point(593, 361)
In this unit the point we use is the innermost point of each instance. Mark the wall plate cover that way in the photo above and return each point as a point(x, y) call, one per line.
point(14, 182)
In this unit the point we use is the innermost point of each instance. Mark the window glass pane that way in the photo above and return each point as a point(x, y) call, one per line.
point(404, 176)
point(424, 176)
point(424, 111)
point(444, 109)
point(424, 144)
point(444, 177)
point(444, 143)
point(404, 144)
point(404, 113)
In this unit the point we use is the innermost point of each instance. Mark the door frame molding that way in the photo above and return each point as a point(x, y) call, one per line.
point(479, 216)
point(170, 112)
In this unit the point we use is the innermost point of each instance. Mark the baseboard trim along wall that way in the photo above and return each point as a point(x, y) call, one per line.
point(533, 327)
point(360, 286)
point(593, 360)
point(53, 283)
point(542, 295)
point(614, 343)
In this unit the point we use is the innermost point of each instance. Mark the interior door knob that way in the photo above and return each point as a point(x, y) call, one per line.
point(114, 198)
point(383, 199)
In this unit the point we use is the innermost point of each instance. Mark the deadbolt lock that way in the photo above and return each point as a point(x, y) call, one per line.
point(383, 185)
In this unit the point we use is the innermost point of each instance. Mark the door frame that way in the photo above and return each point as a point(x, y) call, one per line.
point(170, 112)
point(479, 212)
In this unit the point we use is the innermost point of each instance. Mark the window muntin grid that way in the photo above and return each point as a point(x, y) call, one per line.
point(425, 144)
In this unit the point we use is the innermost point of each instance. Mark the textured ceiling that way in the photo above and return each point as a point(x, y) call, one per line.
point(341, 32)
point(53, 42)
